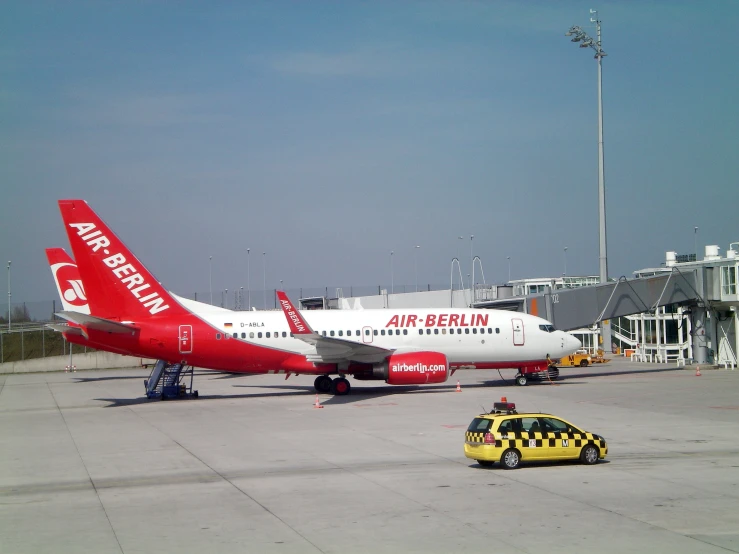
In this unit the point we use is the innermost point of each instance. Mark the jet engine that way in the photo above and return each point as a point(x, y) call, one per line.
point(410, 368)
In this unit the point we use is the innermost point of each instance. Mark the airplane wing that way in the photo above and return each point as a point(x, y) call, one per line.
point(97, 323)
point(328, 349)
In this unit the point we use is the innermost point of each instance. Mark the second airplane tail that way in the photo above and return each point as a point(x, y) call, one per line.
point(117, 284)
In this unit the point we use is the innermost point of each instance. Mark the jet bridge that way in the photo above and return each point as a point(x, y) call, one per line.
point(576, 308)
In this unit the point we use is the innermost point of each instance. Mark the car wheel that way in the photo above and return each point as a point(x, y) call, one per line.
point(485, 463)
point(521, 380)
point(583, 363)
point(510, 459)
point(589, 455)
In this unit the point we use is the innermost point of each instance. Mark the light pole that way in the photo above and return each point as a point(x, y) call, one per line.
point(578, 35)
point(392, 275)
point(264, 278)
point(509, 268)
point(472, 264)
point(565, 273)
point(9, 295)
point(585, 42)
point(210, 277)
point(695, 239)
point(241, 298)
point(281, 285)
point(248, 277)
point(415, 254)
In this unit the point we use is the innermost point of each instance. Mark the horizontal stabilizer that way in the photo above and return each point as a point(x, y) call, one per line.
point(64, 328)
point(97, 323)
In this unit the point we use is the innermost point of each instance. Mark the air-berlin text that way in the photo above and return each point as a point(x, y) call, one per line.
point(125, 272)
point(439, 320)
point(418, 367)
point(290, 311)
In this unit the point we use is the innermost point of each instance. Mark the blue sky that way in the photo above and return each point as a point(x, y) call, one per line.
point(329, 134)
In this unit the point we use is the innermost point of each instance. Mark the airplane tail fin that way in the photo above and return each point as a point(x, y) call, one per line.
point(68, 281)
point(117, 284)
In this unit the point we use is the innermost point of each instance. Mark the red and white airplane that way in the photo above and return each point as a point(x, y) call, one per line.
point(131, 312)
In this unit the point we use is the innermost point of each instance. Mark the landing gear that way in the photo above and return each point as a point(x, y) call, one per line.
point(521, 380)
point(340, 386)
point(322, 384)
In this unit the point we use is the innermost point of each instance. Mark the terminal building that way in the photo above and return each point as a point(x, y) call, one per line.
point(684, 311)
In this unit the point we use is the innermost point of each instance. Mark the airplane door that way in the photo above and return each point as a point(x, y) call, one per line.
point(518, 338)
point(185, 339)
point(367, 335)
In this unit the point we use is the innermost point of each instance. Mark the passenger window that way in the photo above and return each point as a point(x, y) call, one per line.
point(324, 333)
point(436, 331)
point(348, 333)
point(397, 331)
point(236, 335)
point(420, 331)
point(530, 424)
point(482, 330)
point(243, 335)
point(405, 331)
point(284, 334)
point(251, 335)
point(490, 330)
point(506, 426)
point(428, 331)
point(497, 331)
point(366, 332)
point(359, 333)
point(467, 331)
point(382, 332)
point(552, 425)
point(259, 334)
point(474, 330)
point(375, 332)
point(443, 331)
point(218, 336)
point(332, 333)
point(341, 333)
point(266, 334)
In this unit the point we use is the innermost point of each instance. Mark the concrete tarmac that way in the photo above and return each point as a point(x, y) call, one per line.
point(88, 465)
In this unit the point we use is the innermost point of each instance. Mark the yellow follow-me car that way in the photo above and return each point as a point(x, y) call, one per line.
point(510, 438)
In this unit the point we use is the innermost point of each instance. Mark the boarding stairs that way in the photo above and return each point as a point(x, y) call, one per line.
point(167, 381)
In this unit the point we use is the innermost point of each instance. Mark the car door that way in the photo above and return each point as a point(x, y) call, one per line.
point(556, 437)
point(571, 439)
point(532, 443)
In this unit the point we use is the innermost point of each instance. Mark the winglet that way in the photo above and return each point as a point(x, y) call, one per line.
point(298, 325)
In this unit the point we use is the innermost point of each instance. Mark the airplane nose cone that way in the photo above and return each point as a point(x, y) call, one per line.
point(571, 343)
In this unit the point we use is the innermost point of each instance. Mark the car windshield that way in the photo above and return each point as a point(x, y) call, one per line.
point(479, 425)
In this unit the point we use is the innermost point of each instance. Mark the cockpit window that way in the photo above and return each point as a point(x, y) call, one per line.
point(547, 328)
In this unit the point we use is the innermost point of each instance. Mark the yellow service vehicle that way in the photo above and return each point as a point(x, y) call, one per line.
point(510, 438)
point(583, 359)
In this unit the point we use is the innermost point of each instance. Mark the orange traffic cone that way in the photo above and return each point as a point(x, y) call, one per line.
point(698, 371)
point(459, 389)
point(317, 404)
point(503, 399)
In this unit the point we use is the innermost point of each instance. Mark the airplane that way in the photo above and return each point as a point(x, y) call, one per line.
point(130, 311)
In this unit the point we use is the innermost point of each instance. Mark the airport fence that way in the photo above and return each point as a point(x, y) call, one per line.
point(25, 341)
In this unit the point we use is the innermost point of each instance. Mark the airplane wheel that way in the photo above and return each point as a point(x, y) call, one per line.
point(340, 386)
point(521, 380)
point(322, 383)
